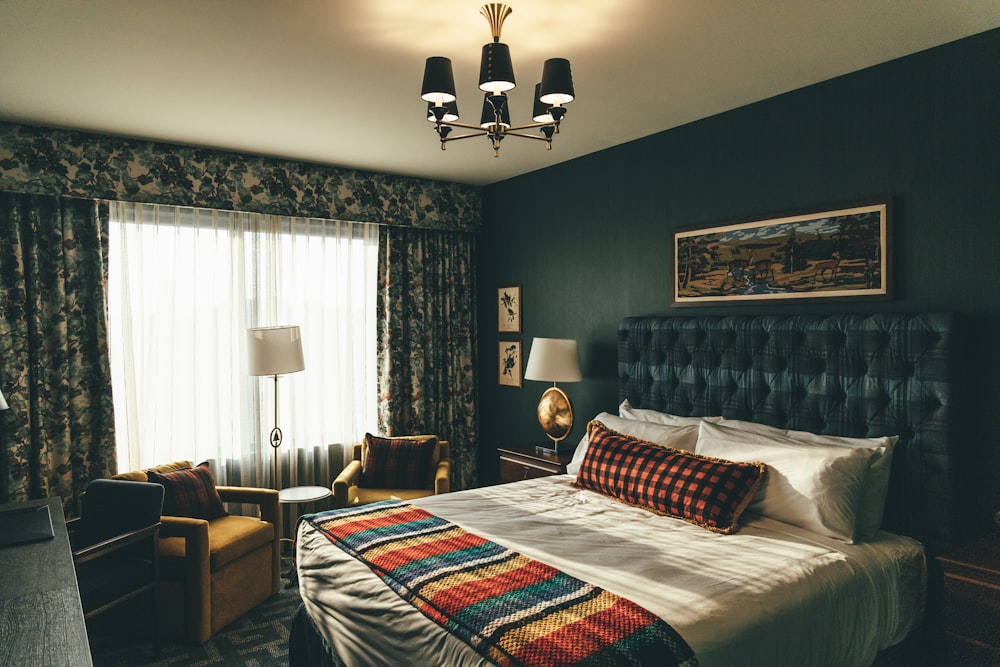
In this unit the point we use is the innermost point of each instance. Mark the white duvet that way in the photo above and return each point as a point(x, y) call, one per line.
point(770, 594)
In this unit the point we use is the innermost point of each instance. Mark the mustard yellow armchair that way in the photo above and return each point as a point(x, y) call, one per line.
point(213, 571)
point(432, 476)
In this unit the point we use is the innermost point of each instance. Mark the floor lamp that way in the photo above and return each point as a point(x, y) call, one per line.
point(275, 351)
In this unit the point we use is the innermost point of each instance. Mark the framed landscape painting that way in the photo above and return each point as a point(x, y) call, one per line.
point(836, 254)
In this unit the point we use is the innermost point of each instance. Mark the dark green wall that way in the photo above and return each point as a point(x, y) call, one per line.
point(590, 240)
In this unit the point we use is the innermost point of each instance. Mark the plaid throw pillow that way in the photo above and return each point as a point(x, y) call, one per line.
point(397, 463)
point(189, 492)
point(711, 493)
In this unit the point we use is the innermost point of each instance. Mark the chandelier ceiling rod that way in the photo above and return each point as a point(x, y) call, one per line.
point(496, 77)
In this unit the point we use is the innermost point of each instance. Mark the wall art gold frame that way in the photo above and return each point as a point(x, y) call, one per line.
point(510, 366)
point(509, 309)
point(826, 254)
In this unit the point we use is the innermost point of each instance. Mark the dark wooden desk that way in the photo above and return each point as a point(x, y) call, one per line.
point(41, 620)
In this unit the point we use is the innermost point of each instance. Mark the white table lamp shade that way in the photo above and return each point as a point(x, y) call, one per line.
point(274, 350)
point(3, 402)
point(553, 360)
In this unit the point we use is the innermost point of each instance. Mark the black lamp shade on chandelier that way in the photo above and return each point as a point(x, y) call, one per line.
point(450, 111)
point(540, 111)
point(439, 82)
point(495, 110)
point(557, 82)
point(496, 71)
point(496, 78)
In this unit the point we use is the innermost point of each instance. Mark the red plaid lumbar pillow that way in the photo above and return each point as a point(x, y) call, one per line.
point(397, 463)
point(711, 493)
point(189, 492)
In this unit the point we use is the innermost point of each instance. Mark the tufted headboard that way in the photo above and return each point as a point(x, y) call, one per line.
point(848, 374)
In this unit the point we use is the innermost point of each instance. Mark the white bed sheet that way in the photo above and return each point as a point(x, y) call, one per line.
point(770, 594)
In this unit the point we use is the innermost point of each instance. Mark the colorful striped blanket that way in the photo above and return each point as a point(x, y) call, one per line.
point(511, 609)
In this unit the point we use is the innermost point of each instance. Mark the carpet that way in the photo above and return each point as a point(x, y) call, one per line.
point(258, 639)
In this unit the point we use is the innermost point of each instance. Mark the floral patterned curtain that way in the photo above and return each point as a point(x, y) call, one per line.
point(427, 340)
point(54, 371)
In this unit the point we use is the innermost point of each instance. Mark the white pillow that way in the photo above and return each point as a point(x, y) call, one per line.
point(871, 507)
point(817, 487)
point(626, 411)
point(678, 437)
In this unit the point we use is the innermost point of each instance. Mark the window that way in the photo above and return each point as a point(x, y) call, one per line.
point(184, 286)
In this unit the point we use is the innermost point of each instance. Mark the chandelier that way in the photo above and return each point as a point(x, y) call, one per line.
point(496, 77)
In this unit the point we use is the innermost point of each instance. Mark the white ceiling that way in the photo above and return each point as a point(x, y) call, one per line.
point(338, 81)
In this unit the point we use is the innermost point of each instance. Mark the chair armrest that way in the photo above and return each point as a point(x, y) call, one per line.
point(347, 478)
point(270, 512)
point(266, 499)
point(197, 571)
point(182, 526)
point(442, 478)
point(115, 543)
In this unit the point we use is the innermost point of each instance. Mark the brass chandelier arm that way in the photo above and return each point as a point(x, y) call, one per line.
point(465, 126)
point(481, 133)
point(496, 135)
point(527, 136)
point(509, 130)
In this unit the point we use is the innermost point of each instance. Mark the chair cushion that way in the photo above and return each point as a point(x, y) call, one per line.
point(189, 492)
point(229, 538)
point(143, 476)
point(360, 496)
point(400, 463)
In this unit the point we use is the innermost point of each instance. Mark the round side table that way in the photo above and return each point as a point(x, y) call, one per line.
point(300, 495)
point(303, 494)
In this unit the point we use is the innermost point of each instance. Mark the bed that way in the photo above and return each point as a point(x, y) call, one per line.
point(788, 581)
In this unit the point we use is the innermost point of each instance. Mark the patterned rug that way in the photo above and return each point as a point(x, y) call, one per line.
point(258, 639)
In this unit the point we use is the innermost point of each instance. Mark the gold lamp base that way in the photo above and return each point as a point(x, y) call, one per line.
point(555, 415)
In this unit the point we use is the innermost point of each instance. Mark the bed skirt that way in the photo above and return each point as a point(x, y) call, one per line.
point(306, 647)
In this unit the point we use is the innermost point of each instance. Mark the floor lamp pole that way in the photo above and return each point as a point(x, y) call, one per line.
point(275, 437)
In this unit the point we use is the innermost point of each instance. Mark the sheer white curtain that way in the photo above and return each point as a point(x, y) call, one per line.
point(185, 284)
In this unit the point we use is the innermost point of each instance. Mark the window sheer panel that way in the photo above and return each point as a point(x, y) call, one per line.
point(327, 276)
point(186, 284)
point(181, 298)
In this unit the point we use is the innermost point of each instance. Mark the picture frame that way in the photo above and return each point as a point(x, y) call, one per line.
point(827, 254)
point(509, 309)
point(510, 366)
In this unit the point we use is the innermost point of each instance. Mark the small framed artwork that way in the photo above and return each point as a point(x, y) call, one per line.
point(509, 309)
point(511, 366)
point(819, 255)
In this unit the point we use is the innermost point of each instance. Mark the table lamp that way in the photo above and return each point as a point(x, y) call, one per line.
point(275, 351)
point(554, 360)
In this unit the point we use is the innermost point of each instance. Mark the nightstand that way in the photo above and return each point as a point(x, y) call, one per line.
point(972, 603)
point(519, 462)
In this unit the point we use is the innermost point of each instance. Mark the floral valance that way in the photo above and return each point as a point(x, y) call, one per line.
point(63, 163)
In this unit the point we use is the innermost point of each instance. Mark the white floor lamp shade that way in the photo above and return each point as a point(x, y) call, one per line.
point(3, 402)
point(275, 351)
